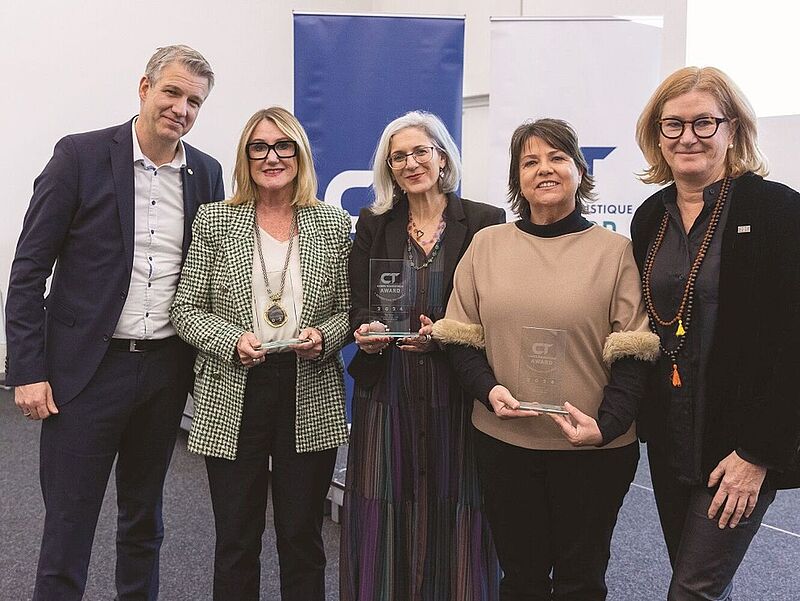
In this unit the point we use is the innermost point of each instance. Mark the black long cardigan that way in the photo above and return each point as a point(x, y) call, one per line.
point(753, 388)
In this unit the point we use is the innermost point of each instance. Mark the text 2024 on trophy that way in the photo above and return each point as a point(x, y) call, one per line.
point(391, 296)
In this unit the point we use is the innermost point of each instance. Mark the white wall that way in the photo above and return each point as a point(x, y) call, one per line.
point(764, 66)
point(779, 139)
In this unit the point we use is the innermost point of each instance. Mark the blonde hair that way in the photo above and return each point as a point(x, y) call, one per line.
point(383, 182)
point(305, 184)
point(743, 157)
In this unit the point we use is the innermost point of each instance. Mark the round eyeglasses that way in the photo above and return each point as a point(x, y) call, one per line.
point(421, 154)
point(284, 149)
point(703, 127)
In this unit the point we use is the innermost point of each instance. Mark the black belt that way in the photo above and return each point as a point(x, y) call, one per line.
point(139, 346)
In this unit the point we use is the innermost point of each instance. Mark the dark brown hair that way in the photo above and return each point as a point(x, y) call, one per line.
point(560, 135)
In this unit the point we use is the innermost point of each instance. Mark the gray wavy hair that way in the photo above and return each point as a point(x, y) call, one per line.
point(383, 182)
point(184, 55)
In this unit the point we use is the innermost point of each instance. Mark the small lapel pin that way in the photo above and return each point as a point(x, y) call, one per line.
point(189, 171)
point(743, 229)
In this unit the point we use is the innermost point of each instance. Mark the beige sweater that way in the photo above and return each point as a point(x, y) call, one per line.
point(585, 282)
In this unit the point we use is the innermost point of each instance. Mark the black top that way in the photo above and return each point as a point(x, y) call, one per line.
point(622, 394)
point(670, 269)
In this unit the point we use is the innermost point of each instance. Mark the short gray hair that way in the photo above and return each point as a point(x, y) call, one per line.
point(186, 56)
point(383, 183)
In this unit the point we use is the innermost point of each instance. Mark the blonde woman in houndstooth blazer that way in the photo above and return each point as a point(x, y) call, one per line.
point(267, 266)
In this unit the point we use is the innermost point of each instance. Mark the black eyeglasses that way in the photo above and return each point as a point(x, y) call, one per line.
point(703, 127)
point(284, 149)
point(421, 154)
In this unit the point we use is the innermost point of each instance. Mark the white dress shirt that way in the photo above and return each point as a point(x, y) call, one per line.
point(157, 246)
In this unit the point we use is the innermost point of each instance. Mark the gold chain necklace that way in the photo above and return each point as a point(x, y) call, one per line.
point(275, 315)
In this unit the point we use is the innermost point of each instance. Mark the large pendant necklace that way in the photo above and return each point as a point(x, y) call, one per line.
point(683, 317)
point(275, 315)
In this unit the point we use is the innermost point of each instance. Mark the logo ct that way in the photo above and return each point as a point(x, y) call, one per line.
point(355, 178)
point(540, 348)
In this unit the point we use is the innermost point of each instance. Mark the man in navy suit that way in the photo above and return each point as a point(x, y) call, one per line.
point(97, 360)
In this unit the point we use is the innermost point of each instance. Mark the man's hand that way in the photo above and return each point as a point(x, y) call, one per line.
point(739, 484)
point(35, 400)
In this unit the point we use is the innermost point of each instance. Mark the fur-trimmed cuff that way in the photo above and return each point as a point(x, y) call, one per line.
point(450, 331)
point(639, 345)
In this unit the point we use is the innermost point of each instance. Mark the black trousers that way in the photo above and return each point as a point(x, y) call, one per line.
point(300, 482)
point(704, 557)
point(130, 410)
point(553, 512)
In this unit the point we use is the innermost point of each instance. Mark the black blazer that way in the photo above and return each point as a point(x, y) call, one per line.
point(384, 237)
point(81, 218)
point(753, 393)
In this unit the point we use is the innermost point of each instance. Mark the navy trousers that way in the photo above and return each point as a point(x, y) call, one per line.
point(130, 411)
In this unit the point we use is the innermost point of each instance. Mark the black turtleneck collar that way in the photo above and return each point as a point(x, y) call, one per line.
point(574, 222)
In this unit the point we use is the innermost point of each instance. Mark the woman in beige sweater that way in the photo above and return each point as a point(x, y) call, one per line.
point(549, 309)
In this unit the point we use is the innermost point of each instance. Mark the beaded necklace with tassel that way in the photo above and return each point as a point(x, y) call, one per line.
point(683, 317)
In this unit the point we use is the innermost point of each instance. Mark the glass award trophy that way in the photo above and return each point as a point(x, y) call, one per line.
point(391, 296)
point(277, 326)
point(542, 367)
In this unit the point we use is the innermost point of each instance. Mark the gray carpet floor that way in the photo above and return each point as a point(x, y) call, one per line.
point(638, 570)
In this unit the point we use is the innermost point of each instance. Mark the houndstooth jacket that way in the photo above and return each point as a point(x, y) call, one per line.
point(213, 308)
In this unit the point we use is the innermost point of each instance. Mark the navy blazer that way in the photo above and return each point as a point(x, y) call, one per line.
point(753, 403)
point(81, 218)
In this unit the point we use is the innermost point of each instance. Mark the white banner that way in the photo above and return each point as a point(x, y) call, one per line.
point(596, 73)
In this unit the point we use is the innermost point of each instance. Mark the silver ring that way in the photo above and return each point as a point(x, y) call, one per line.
point(27, 414)
point(427, 338)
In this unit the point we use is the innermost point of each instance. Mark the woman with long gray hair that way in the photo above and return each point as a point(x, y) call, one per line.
point(412, 526)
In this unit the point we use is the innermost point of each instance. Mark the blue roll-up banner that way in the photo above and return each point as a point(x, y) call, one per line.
point(353, 74)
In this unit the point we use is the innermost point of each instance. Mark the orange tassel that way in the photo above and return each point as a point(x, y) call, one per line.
point(676, 377)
